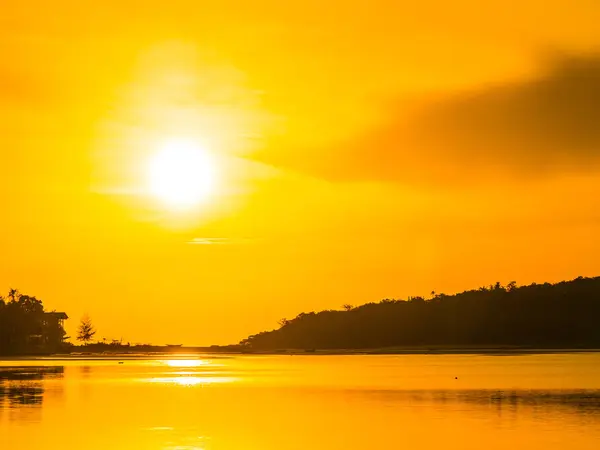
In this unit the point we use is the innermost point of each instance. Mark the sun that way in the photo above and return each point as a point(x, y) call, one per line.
point(181, 174)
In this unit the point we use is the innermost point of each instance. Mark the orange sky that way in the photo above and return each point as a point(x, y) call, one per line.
point(364, 150)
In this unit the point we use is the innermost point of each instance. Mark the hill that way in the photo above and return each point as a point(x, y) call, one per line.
point(561, 315)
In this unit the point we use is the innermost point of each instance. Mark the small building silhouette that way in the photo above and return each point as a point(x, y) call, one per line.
point(50, 334)
point(53, 316)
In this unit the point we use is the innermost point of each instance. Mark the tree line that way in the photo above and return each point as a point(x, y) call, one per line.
point(25, 327)
point(565, 314)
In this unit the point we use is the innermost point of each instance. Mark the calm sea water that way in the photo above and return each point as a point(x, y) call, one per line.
point(303, 402)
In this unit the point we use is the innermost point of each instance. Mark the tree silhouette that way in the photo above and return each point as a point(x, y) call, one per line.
point(26, 328)
point(561, 315)
point(86, 330)
point(13, 294)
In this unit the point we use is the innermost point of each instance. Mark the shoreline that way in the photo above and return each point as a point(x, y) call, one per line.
point(189, 351)
point(429, 351)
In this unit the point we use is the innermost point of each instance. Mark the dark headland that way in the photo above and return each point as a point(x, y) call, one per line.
point(537, 317)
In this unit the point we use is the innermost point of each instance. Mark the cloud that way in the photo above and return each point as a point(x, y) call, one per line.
point(208, 241)
point(540, 123)
point(550, 122)
point(218, 241)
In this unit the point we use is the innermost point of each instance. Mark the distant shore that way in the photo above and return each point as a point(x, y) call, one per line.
point(427, 351)
point(187, 351)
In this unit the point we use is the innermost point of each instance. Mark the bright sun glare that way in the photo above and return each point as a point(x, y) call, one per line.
point(186, 363)
point(181, 174)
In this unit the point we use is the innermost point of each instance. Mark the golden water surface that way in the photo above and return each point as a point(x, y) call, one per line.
point(464, 402)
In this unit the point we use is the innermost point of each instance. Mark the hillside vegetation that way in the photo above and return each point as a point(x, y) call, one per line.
point(565, 314)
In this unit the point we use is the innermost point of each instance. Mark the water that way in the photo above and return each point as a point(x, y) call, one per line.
point(303, 402)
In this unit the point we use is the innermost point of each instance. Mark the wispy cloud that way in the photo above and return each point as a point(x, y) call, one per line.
point(219, 241)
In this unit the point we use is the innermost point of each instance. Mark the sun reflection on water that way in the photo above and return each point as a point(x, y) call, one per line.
point(186, 362)
point(193, 380)
point(193, 372)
